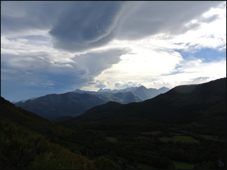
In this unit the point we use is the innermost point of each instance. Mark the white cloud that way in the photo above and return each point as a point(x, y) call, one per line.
point(187, 72)
point(193, 72)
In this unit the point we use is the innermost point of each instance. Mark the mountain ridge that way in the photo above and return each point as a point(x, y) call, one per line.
point(182, 104)
point(53, 106)
point(141, 91)
point(57, 107)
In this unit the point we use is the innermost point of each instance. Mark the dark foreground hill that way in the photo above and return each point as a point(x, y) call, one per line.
point(28, 141)
point(203, 103)
point(24, 142)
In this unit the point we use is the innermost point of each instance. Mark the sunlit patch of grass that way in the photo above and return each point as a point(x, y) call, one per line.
point(176, 134)
point(165, 139)
point(183, 139)
point(143, 166)
point(143, 138)
point(151, 133)
point(111, 139)
point(183, 165)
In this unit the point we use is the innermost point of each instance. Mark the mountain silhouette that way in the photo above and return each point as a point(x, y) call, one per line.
point(55, 106)
point(141, 91)
point(59, 107)
point(203, 103)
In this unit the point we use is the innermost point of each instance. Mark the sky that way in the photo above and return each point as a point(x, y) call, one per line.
point(59, 46)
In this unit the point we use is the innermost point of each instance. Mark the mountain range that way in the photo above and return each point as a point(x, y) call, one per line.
point(59, 107)
point(141, 91)
point(183, 104)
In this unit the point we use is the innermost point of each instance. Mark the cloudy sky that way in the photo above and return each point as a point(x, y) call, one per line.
point(56, 47)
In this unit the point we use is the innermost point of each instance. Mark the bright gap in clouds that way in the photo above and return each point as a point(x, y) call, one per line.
point(157, 68)
point(205, 54)
point(160, 60)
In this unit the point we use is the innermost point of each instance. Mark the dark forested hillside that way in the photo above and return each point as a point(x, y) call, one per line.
point(28, 141)
point(24, 145)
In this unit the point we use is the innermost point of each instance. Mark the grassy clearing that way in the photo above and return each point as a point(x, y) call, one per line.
point(176, 134)
point(111, 139)
point(142, 166)
point(183, 165)
point(143, 138)
point(151, 133)
point(165, 139)
point(183, 139)
point(209, 137)
point(184, 132)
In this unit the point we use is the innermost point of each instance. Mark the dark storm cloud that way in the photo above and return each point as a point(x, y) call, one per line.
point(22, 16)
point(86, 25)
point(81, 25)
point(97, 23)
point(149, 18)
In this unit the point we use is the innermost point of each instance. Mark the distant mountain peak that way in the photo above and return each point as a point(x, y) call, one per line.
point(78, 91)
point(82, 91)
point(142, 87)
point(104, 90)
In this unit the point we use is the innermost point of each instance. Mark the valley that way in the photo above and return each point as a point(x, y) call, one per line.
point(158, 145)
point(173, 130)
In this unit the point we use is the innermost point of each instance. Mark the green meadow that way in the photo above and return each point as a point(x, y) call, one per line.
point(183, 165)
